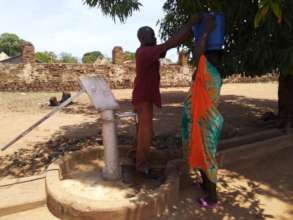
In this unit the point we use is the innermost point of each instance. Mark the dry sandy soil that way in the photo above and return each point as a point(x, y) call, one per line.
point(258, 190)
point(78, 125)
point(242, 106)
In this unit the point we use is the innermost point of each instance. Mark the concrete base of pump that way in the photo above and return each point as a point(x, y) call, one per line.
point(76, 190)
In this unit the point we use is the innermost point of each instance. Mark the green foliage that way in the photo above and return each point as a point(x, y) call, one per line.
point(46, 57)
point(10, 44)
point(248, 50)
point(263, 8)
point(129, 55)
point(67, 58)
point(91, 57)
point(120, 9)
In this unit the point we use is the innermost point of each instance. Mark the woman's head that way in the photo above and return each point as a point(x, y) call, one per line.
point(146, 36)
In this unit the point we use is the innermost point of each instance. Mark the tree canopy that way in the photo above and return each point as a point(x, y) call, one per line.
point(120, 9)
point(91, 57)
point(10, 44)
point(129, 55)
point(46, 57)
point(258, 32)
point(67, 58)
point(248, 49)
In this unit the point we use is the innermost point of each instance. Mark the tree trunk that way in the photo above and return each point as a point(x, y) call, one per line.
point(285, 102)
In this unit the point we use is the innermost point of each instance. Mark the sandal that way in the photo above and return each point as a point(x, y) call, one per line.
point(204, 204)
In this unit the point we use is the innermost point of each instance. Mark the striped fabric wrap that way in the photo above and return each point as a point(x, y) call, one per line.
point(201, 121)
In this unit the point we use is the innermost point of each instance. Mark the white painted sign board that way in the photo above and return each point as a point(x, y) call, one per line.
point(99, 92)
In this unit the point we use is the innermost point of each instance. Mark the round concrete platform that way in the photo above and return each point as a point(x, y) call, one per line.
point(75, 190)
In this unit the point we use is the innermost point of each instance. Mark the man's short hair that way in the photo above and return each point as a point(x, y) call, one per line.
point(141, 31)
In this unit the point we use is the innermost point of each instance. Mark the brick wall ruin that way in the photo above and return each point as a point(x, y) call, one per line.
point(31, 76)
point(58, 77)
point(28, 53)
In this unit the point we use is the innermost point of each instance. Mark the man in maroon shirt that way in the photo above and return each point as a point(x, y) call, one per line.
point(146, 92)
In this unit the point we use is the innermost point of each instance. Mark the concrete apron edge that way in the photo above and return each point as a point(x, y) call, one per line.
point(254, 150)
point(15, 181)
point(59, 200)
point(21, 207)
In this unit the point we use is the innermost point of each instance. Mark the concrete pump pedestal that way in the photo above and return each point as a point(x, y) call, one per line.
point(76, 190)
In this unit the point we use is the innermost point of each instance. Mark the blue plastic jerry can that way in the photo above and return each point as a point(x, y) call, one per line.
point(215, 39)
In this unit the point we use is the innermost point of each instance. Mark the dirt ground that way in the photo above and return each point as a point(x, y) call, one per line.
point(257, 190)
point(77, 126)
point(241, 104)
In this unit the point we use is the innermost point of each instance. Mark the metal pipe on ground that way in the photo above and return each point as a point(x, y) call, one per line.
point(55, 110)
